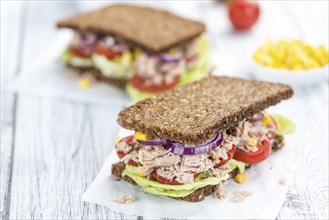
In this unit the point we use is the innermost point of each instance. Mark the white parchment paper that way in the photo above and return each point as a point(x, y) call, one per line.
point(267, 198)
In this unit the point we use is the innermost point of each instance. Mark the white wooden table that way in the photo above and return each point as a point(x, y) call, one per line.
point(51, 149)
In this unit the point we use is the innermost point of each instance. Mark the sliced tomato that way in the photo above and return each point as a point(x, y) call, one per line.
point(264, 150)
point(80, 52)
point(166, 181)
point(128, 139)
point(139, 83)
point(122, 154)
point(230, 154)
point(108, 52)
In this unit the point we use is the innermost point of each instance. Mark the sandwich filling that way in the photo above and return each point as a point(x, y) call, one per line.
point(148, 74)
point(164, 167)
point(179, 66)
point(112, 57)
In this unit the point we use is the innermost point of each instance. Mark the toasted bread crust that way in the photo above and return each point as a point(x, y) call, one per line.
point(194, 113)
point(201, 193)
point(152, 30)
point(120, 83)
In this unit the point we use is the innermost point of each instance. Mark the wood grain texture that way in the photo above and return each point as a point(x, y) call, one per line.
point(11, 42)
point(59, 146)
point(307, 197)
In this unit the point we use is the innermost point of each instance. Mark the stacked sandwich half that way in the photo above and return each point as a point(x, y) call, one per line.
point(190, 140)
point(144, 50)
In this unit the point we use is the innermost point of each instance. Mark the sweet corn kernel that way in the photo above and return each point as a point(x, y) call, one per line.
point(291, 54)
point(84, 83)
point(140, 136)
point(137, 53)
point(324, 57)
point(252, 142)
point(140, 174)
point(266, 120)
point(241, 178)
point(126, 58)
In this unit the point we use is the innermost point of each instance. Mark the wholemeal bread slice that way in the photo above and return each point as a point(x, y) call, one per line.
point(150, 29)
point(200, 194)
point(192, 114)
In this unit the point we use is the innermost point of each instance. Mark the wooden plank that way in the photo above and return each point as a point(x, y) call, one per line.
point(10, 64)
point(308, 195)
point(60, 146)
point(59, 152)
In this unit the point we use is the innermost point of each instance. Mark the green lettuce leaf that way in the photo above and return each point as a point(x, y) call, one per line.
point(237, 164)
point(67, 57)
point(285, 125)
point(137, 95)
point(202, 68)
point(111, 68)
point(170, 193)
point(157, 188)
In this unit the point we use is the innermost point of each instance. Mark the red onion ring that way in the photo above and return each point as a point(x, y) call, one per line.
point(167, 58)
point(153, 142)
point(182, 149)
point(87, 39)
point(259, 117)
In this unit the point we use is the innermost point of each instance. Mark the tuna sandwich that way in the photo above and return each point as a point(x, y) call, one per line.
point(143, 50)
point(189, 141)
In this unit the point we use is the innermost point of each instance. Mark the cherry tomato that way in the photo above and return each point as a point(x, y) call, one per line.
point(139, 83)
point(243, 14)
point(121, 154)
point(166, 181)
point(264, 150)
point(80, 52)
point(230, 154)
point(108, 52)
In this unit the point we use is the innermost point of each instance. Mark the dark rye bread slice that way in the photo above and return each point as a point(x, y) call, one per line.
point(120, 83)
point(151, 29)
point(193, 114)
point(201, 193)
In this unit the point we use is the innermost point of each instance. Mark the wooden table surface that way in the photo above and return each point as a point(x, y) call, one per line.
point(51, 149)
